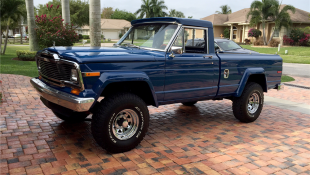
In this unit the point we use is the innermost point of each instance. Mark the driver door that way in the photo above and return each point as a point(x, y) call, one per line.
point(190, 74)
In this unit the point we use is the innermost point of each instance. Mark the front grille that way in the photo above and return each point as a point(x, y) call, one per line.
point(50, 70)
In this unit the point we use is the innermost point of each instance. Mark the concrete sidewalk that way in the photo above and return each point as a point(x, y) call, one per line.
point(301, 70)
point(286, 104)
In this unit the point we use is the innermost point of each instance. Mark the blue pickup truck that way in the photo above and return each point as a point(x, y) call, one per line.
point(155, 63)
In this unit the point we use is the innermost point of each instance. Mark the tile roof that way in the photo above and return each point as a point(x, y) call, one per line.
point(240, 16)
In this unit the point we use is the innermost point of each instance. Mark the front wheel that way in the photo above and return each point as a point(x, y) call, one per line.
point(120, 123)
point(249, 105)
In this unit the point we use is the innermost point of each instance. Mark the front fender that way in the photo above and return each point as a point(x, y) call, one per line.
point(111, 77)
point(248, 72)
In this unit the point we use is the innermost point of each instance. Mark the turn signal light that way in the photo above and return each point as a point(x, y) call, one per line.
point(40, 77)
point(279, 72)
point(75, 91)
point(92, 74)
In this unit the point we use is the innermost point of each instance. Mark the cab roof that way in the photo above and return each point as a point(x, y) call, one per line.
point(184, 21)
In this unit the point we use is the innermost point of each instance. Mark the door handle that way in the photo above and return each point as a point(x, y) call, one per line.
point(208, 56)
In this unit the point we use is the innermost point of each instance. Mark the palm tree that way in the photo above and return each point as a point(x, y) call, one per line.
point(261, 11)
point(145, 9)
point(65, 7)
point(152, 8)
point(175, 13)
point(281, 18)
point(158, 6)
point(95, 23)
point(10, 14)
point(33, 44)
point(225, 9)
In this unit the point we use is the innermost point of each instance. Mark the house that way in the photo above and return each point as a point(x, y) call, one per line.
point(110, 28)
point(239, 26)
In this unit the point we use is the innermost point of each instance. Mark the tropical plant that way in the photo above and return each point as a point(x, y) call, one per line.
point(260, 12)
point(225, 9)
point(296, 34)
point(11, 12)
point(152, 8)
point(254, 33)
point(281, 17)
point(50, 30)
point(122, 14)
point(226, 33)
point(175, 13)
point(107, 12)
point(306, 30)
point(79, 11)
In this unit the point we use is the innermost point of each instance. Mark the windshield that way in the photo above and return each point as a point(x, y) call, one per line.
point(228, 45)
point(154, 36)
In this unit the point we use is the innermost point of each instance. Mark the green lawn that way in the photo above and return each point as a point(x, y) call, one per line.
point(9, 66)
point(295, 54)
point(286, 78)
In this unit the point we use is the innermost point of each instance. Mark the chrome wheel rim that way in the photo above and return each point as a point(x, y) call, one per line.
point(253, 103)
point(125, 124)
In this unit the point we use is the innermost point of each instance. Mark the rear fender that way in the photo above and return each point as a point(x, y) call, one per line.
point(248, 72)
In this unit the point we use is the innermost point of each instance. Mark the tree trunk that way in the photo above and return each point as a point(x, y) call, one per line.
point(31, 25)
point(7, 36)
point(264, 33)
point(270, 38)
point(0, 40)
point(21, 33)
point(94, 23)
point(65, 7)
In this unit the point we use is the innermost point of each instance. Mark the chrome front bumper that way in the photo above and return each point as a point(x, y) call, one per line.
point(61, 98)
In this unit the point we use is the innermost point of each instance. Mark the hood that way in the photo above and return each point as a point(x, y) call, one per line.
point(83, 55)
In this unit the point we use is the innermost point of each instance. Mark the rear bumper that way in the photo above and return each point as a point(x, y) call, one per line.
point(280, 86)
point(61, 98)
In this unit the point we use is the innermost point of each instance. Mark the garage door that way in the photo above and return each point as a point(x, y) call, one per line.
point(111, 35)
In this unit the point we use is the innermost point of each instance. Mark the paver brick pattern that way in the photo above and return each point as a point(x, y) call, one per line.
point(203, 139)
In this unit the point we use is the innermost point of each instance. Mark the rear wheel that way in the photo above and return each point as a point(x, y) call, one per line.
point(120, 123)
point(249, 105)
point(72, 117)
point(189, 103)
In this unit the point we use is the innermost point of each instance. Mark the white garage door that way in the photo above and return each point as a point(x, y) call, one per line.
point(110, 34)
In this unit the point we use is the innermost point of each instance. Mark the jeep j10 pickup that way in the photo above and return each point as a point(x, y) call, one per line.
point(157, 62)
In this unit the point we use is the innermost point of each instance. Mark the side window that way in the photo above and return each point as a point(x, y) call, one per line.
point(195, 40)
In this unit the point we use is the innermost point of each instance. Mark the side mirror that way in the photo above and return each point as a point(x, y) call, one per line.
point(176, 50)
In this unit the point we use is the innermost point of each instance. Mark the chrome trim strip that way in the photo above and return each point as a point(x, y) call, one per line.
point(193, 27)
point(61, 98)
point(173, 38)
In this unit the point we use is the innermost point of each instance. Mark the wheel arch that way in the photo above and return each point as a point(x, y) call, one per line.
point(256, 75)
point(134, 82)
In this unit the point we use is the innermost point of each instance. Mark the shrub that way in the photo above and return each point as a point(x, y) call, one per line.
point(304, 40)
point(274, 43)
point(259, 42)
point(50, 29)
point(109, 39)
point(254, 33)
point(80, 36)
point(226, 33)
point(120, 35)
point(296, 34)
point(287, 40)
point(85, 36)
point(26, 55)
point(306, 30)
point(102, 36)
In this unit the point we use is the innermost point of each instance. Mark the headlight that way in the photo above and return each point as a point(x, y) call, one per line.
point(74, 75)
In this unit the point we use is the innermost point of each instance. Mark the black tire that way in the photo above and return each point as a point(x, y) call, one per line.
point(73, 117)
point(240, 104)
point(107, 117)
point(189, 103)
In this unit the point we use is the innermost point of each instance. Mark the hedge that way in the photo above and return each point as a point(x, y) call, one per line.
point(85, 36)
point(26, 55)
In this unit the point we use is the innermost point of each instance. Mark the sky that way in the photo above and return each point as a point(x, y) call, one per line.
point(196, 8)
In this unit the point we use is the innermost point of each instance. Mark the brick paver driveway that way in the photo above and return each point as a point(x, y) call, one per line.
point(204, 139)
